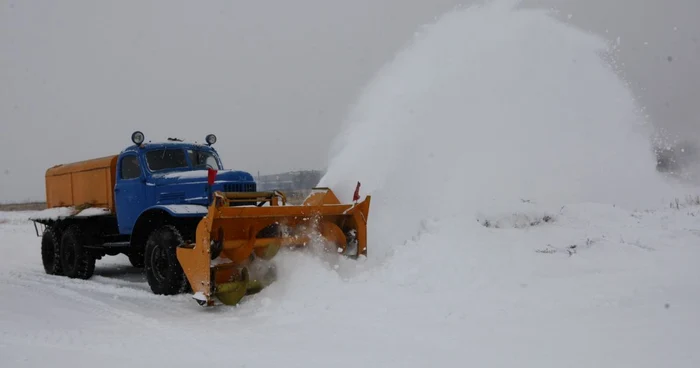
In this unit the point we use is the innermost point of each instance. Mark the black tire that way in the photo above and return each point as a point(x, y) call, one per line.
point(163, 271)
point(50, 252)
point(136, 258)
point(76, 261)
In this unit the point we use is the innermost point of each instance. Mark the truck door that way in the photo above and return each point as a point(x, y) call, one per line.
point(129, 192)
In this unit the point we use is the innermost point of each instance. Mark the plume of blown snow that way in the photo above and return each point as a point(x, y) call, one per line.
point(493, 109)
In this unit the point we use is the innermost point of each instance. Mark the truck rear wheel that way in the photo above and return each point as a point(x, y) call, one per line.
point(136, 258)
point(163, 271)
point(76, 261)
point(50, 252)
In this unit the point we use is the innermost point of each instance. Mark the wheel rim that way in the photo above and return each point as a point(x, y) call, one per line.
point(159, 263)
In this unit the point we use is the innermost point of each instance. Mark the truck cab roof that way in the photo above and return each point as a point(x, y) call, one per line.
point(166, 157)
point(167, 145)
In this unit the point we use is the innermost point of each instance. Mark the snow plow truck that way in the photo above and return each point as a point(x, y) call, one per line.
point(193, 226)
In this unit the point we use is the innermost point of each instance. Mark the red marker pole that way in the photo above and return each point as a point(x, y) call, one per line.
point(211, 177)
point(356, 195)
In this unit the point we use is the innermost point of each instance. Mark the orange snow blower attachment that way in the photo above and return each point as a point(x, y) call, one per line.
point(230, 239)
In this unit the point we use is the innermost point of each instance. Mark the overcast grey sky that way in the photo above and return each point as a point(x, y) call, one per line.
point(272, 79)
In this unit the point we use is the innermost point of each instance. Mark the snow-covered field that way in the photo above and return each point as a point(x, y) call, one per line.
point(597, 287)
point(517, 221)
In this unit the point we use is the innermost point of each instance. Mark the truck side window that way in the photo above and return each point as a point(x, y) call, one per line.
point(131, 168)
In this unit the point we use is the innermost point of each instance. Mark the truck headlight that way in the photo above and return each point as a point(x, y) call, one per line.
point(137, 137)
point(211, 139)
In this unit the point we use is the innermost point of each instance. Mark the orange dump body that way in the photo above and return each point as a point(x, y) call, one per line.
point(89, 182)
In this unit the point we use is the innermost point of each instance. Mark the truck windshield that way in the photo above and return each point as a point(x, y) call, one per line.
point(203, 159)
point(163, 159)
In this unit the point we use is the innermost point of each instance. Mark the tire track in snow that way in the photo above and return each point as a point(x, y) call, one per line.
point(74, 291)
point(153, 317)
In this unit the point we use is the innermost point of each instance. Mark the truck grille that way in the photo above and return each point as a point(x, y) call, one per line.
point(240, 187)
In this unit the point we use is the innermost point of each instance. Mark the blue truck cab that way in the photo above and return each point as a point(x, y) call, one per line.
point(170, 177)
point(161, 193)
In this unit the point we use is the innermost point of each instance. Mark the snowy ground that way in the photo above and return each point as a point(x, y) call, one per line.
point(517, 221)
point(626, 295)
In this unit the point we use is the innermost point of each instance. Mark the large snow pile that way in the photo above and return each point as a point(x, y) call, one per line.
point(505, 160)
point(490, 108)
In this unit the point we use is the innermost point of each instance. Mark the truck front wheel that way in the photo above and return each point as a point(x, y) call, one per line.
point(163, 271)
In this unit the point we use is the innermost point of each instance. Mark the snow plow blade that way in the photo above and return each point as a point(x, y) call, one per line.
point(231, 240)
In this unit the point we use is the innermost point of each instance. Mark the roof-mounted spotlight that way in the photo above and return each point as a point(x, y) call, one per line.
point(211, 139)
point(137, 137)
